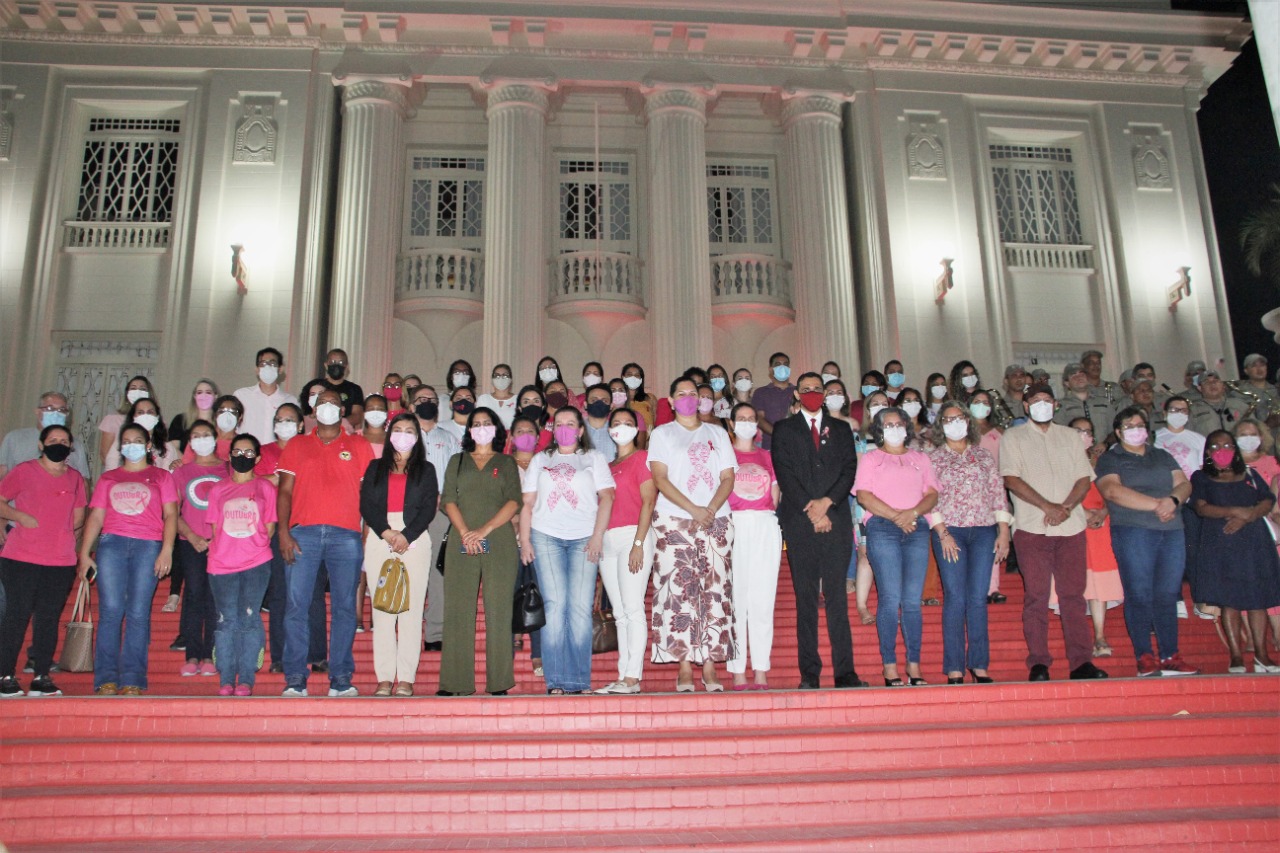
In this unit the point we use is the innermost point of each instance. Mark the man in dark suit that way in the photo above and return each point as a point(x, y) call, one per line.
point(815, 461)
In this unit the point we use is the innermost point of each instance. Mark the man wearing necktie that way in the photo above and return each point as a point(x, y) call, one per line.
point(815, 462)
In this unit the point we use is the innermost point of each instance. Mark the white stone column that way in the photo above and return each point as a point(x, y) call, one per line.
point(515, 254)
point(367, 225)
point(679, 263)
point(821, 258)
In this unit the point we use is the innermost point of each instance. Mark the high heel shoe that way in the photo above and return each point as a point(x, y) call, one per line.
point(981, 679)
point(917, 681)
point(893, 682)
point(713, 686)
point(1259, 666)
point(955, 679)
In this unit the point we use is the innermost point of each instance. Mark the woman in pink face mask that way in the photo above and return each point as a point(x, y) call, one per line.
point(1233, 557)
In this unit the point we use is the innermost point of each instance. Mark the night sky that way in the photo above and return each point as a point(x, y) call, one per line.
point(1242, 160)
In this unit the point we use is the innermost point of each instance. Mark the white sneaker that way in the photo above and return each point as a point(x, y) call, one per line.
point(1182, 609)
point(343, 694)
point(619, 688)
point(294, 692)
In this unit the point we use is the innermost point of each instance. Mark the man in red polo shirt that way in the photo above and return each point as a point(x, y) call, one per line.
point(319, 521)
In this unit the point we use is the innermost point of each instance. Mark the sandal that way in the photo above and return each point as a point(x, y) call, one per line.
point(1101, 649)
point(684, 686)
point(555, 691)
point(893, 682)
point(917, 681)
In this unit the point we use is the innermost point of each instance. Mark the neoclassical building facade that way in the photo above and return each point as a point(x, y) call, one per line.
point(670, 183)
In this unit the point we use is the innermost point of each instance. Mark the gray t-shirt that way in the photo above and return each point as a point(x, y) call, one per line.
point(1150, 473)
point(23, 445)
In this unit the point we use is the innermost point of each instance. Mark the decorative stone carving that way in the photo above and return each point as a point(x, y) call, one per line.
point(8, 94)
point(109, 350)
point(816, 106)
point(256, 132)
point(375, 90)
point(663, 99)
point(1151, 163)
point(926, 155)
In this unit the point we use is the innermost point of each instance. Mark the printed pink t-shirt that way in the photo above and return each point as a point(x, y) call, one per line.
point(134, 501)
point(629, 475)
point(753, 482)
point(241, 512)
point(52, 501)
point(193, 482)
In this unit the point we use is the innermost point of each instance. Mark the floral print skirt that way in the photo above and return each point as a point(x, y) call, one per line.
point(692, 600)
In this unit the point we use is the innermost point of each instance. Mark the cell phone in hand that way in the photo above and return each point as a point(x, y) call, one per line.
point(484, 547)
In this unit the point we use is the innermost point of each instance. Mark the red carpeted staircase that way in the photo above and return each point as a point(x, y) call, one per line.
point(1158, 763)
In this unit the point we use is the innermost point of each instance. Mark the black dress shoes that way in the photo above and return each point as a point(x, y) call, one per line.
point(1088, 670)
point(1039, 672)
point(808, 684)
point(997, 598)
point(430, 646)
point(850, 680)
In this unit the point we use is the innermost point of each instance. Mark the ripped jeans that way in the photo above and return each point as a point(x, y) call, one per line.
point(239, 638)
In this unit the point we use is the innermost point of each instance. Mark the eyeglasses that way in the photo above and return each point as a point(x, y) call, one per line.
point(228, 412)
point(391, 384)
point(63, 409)
point(955, 419)
point(244, 454)
point(268, 363)
point(1087, 432)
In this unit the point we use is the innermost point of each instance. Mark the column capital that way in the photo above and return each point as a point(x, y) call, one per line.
point(805, 104)
point(502, 93)
point(665, 98)
point(391, 91)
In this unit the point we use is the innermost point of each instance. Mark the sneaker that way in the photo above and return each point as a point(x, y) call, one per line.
point(208, 668)
point(244, 690)
point(1175, 665)
point(619, 688)
point(1148, 665)
point(171, 604)
point(359, 629)
point(188, 669)
point(179, 644)
point(343, 693)
point(227, 690)
point(29, 667)
point(1182, 609)
point(9, 688)
point(107, 689)
point(276, 667)
point(43, 686)
point(292, 692)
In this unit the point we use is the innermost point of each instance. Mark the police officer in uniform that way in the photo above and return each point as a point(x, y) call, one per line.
point(1100, 389)
point(1078, 401)
point(1254, 389)
point(1213, 409)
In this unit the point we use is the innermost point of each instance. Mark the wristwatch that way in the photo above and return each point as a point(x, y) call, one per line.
point(639, 543)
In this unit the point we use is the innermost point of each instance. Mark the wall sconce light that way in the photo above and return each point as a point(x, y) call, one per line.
point(1180, 289)
point(945, 281)
point(239, 269)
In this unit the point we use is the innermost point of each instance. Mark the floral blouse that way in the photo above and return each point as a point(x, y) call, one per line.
point(970, 489)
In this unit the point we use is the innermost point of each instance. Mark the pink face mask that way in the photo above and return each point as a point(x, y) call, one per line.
point(705, 404)
point(686, 406)
point(204, 400)
point(483, 434)
point(566, 436)
point(1223, 458)
point(525, 443)
point(619, 399)
point(403, 442)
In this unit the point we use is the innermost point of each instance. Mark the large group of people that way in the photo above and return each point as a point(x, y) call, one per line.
point(1101, 494)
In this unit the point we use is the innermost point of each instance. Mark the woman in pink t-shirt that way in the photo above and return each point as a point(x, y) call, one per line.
point(242, 519)
point(45, 498)
point(193, 480)
point(135, 508)
point(897, 488)
point(627, 555)
point(757, 552)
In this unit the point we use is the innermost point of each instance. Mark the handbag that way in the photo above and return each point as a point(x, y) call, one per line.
point(444, 541)
point(392, 593)
point(604, 632)
point(528, 613)
point(77, 648)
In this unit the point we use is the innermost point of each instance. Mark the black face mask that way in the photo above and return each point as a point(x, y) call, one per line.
point(428, 410)
point(533, 413)
point(598, 409)
point(335, 371)
point(243, 464)
point(463, 407)
point(56, 453)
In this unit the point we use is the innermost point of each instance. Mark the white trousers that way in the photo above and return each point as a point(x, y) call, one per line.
point(757, 557)
point(626, 590)
point(397, 640)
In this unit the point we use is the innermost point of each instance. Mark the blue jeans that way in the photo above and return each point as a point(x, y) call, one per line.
point(964, 605)
point(126, 583)
point(899, 562)
point(343, 556)
point(1151, 565)
point(239, 638)
point(568, 584)
point(278, 602)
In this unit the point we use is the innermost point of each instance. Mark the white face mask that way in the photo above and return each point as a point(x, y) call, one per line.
point(979, 410)
point(204, 445)
point(147, 422)
point(268, 374)
point(502, 383)
point(970, 381)
point(286, 429)
point(133, 395)
point(1249, 443)
point(311, 401)
point(937, 392)
point(835, 402)
point(328, 414)
point(623, 434)
point(461, 379)
point(745, 430)
point(1041, 411)
point(226, 421)
point(1178, 420)
point(375, 419)
point(956, 431)
point(590, 380)
point(632, 382)
point(548, 374)
point(912, 408)
point(742, 385)
point(895, 436)
point(829, 377)
point(871, 412)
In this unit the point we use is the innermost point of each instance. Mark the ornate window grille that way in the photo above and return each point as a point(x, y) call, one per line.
point(1035, 192)
point(446, 202)
point(128, 182)
point(740, 209)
